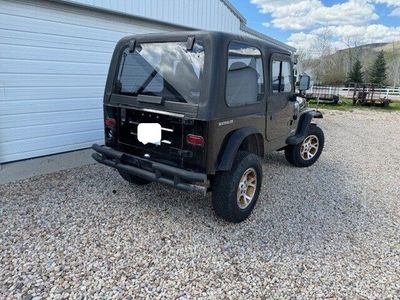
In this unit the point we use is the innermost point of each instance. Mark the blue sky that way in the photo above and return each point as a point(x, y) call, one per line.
point(298, 22)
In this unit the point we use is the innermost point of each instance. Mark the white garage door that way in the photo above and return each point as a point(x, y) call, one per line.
point(53, 64)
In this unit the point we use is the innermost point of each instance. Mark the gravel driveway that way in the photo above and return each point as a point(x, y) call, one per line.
point(329, 231)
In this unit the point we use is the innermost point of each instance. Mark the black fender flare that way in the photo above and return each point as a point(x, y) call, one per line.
point(228, 155)
point(303, 126)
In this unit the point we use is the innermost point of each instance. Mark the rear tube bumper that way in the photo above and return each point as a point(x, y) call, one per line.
point(172, 176)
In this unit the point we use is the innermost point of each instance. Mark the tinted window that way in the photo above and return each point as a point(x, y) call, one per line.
point(167, 70)
point(245, 75)
point(281, 77)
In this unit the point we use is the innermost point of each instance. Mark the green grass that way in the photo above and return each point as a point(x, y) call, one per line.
point(347, 105)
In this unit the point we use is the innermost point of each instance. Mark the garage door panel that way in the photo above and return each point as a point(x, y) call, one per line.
point(20, 146)
point(94, 48)
point(16, 94)
point(43, 10)
point(52, 67)
point(34, 119)
point(51, 40)
point(54, 80)
point(7, 157)
point(36, 106)
point(32, 132)
point(43, 26)
point(55, 28)
point(24, 52)
point(54, 60)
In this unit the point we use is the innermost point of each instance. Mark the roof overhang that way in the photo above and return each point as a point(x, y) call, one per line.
point(234, 10)
point(244, 28)
point(269, 39)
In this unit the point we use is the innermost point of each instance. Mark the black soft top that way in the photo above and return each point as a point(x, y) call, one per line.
point(212, 104)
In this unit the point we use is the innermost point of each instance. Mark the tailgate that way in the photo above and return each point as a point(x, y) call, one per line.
point(172, 131)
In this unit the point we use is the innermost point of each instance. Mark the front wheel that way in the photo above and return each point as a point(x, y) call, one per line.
point(235, 193)
point(308, 151)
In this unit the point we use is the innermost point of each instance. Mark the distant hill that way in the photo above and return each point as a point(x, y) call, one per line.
point(386, 47)
point(333, 68)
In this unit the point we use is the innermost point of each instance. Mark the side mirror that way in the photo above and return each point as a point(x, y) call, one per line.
point(295, 59)
point(304, 83)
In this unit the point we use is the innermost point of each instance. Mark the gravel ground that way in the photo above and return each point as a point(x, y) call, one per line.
point(329, 231)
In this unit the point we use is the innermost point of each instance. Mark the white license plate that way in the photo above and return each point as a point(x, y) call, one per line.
point(149, 133)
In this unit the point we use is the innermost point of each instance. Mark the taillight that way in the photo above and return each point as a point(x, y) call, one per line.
point(195, 140)
point(110, 122)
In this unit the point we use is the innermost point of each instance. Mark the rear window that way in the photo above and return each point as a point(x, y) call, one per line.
point(167, 70)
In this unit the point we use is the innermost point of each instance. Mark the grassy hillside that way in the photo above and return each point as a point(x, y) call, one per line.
point(333, 68)
point(386, 47)
point(389, 49)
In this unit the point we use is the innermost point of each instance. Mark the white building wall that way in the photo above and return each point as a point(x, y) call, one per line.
point(200, 14)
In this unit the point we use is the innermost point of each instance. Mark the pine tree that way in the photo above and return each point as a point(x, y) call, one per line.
point(378, 70)
point(356, 75)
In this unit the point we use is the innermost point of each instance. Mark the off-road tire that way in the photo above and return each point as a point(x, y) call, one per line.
point(386, 102)
point(132, 178)
point(335, 99)
point(293, 153)
point(225, 188)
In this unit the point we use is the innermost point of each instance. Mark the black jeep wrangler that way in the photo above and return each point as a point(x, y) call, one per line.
point(199, 110)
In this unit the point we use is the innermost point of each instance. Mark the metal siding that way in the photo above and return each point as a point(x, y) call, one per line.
point(53, 65)
point(183, 12)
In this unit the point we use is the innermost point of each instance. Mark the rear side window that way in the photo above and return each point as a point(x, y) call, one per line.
point(281, 77)
point(245, 75)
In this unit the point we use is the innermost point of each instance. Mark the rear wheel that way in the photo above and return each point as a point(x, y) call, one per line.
point(132, 178)
point(235, 192)
point(308, 151)
point(386, 102)
point(335, 99)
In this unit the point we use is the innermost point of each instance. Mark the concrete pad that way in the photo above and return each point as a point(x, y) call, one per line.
point(23, 169)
